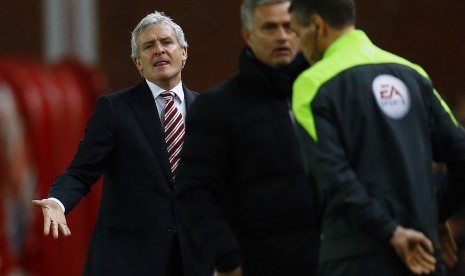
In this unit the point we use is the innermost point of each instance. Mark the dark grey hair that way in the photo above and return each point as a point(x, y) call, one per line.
point(248, 9)
point(153, 19)
point(337, 13)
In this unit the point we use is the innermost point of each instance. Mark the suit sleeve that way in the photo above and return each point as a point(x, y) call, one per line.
point(200, 181)
point(336, 178)
point(90, 159)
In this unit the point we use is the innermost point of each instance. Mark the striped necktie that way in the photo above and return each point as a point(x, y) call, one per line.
point(174, 130)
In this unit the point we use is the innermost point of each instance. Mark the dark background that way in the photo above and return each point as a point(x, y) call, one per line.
point(426, 32)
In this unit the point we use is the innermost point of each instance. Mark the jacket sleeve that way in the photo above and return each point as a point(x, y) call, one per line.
point(201, 182)
point(89, 161)
point(337, 180)
point(448, 144)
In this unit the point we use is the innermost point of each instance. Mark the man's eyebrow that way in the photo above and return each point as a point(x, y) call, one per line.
point(166, 37)
point(148, 42)
point(270, 23)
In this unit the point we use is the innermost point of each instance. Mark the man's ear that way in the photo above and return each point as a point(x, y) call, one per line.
point(137, 63)
point(246, 35)
point(317, 21)
point(184, 53)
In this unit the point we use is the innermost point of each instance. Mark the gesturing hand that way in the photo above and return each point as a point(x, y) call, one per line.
point(415, 249)
point(54, 218)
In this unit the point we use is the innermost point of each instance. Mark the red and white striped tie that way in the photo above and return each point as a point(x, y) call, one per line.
point(174, 130)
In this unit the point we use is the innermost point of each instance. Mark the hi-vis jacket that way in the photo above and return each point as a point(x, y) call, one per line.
point(373, 126)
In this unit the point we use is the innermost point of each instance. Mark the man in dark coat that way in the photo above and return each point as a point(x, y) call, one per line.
point(374, 124)
point(137, 230)
point(242, 188)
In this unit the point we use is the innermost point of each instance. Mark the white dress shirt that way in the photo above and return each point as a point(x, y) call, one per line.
point(160, 102)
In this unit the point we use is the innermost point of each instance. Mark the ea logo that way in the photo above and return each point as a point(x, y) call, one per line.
point(392, 96)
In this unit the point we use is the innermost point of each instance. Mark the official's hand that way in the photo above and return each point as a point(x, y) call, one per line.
point(415, 250)
point(448, 245)
point(54, 218)
point(235, 272)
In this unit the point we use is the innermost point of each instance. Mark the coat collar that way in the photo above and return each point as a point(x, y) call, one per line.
point(263, 79)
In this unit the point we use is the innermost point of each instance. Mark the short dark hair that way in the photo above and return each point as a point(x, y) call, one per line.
point(336, 12)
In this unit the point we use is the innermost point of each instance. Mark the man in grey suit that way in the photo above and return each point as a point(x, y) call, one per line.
point(137, 230)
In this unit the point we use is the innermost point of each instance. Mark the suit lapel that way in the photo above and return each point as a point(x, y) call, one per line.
point(144, 106)
point(189, 97)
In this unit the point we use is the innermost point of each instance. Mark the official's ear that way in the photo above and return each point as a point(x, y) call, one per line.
point(317, 21)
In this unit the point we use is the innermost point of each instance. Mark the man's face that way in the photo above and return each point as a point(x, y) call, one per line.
point(160, 55)
point(308, 36)
point(271, 39)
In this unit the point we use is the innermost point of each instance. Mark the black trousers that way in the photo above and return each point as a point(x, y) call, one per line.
point(379, 264)
point(175, 265)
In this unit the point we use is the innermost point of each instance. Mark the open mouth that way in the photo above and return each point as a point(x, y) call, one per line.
point(282, 51)
point(161, 63)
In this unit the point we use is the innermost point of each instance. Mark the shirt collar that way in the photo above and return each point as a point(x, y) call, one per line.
point(157, 90)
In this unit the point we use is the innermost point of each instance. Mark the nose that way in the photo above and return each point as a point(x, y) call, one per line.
point(158, 49)
point(283, 33)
